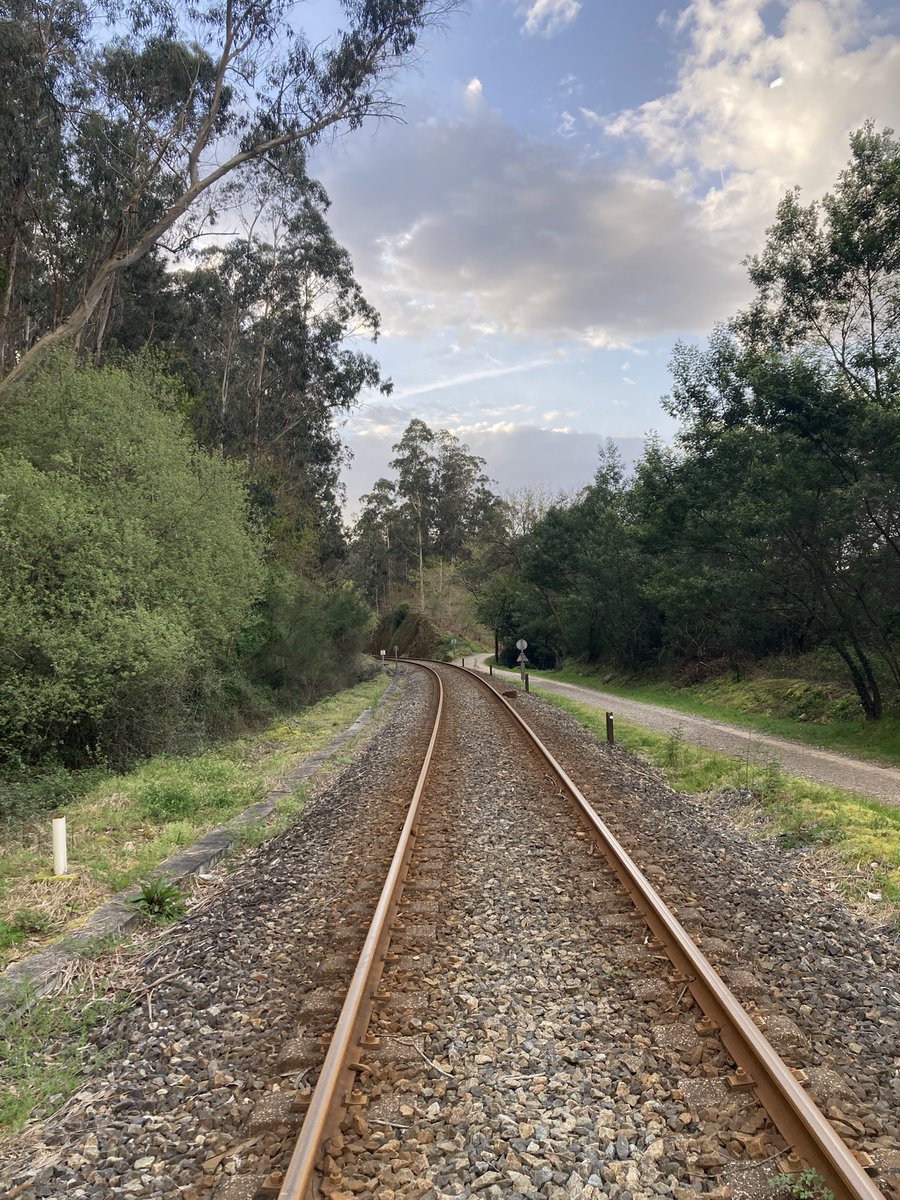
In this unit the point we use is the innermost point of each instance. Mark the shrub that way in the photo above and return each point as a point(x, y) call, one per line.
point(127, 558)
point(159, 900)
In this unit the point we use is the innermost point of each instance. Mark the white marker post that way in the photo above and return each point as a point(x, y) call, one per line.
point(60, 855)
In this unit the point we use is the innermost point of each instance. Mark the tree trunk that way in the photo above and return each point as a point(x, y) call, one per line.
point(871, 704)
point(103, 325)
point(6, 347)
point(421, 569)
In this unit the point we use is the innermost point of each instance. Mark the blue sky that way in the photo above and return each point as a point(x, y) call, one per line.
point(573, 188)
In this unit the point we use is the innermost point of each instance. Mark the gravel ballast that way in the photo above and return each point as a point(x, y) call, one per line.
point(823, 979)
point(532, 1044)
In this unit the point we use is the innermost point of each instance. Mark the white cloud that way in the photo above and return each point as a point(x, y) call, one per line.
point(547, 17)
point(566, 127)
point(727, 122)
point(473, 226)
point(491, 233)
point(473, 94)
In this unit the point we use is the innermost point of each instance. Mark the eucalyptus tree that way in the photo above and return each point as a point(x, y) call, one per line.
point(416, 466)
point(435, 510)
point(170, 103)
point(272, 351)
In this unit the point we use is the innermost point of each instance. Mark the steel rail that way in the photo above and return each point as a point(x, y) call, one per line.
point(800, 1122)
point(327, 1103)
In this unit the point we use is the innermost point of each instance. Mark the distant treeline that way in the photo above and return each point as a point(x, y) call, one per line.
point(773, 524)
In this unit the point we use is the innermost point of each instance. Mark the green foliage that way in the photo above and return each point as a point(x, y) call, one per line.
point(126, 555)
point(24, 923)
point(303, 636)
point(674, 747)
point(159, 900)
point(416, 635)
point(435, 510)
point(805, 1185)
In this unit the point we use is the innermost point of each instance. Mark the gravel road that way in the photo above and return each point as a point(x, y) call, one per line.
point(820, 766)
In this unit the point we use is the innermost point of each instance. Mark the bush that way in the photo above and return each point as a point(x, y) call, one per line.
point(127, 557)
point(303, 637)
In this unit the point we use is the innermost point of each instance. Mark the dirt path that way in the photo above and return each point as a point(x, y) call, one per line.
point(820, 766)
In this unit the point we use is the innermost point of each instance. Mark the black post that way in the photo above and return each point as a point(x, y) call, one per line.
point(610, 733)
point(527, 688)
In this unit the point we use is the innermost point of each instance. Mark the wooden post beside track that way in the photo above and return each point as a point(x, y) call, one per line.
point(610, 731)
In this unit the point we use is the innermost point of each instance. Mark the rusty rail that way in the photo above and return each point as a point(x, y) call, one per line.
point(800, 1122)
point(327, 1103)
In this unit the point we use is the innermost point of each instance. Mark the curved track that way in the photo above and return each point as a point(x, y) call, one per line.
point(803, 1127)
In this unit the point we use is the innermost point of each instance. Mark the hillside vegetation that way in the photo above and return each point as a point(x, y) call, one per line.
point(171, 543)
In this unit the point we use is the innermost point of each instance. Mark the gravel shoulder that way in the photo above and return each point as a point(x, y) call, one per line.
point(806, 762)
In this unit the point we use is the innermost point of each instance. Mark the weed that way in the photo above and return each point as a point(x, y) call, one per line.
point(165, 801)
point(45, 1050)
point(774, 783)
point(159, 900)
point(807, 1185)
point(802, 836)
point(25, 923)
point(31, 920)
point(674, 747)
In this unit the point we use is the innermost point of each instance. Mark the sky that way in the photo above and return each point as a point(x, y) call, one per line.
point(574, 187)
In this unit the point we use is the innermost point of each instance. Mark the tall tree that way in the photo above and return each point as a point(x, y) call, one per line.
point(176, 100)
point(271, 349)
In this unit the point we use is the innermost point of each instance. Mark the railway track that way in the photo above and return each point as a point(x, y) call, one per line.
point(530, 960)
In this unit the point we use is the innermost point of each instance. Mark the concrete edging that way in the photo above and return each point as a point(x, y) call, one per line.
point(40, 971)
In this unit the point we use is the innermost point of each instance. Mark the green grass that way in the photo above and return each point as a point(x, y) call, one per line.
point(127, 824)
point(863, 834)
point(45, 1049)
point(820, 715)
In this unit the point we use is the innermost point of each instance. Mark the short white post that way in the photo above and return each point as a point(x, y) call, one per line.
point(60, 856)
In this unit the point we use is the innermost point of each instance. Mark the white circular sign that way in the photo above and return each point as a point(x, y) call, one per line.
point(521, 644)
